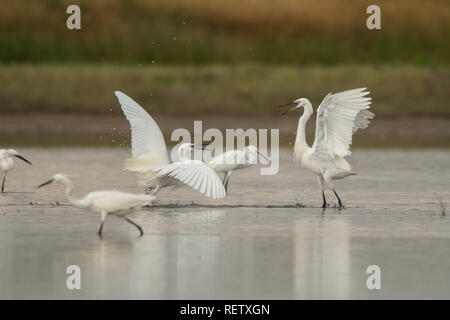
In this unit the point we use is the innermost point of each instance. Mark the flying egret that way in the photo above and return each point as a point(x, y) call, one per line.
point(232, 160)
point(119, 204)
point(150, 160)
point(339, 116)
point(7, 162)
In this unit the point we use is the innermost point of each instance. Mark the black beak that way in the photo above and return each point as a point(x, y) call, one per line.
point(266, 158)
point(22, 158)
point(288, 104)
point(45, 183)
point(200, 146)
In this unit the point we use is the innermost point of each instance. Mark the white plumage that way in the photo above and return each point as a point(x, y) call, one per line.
point(147, 139)
point(339, 116)
point(113, 202)
point(232, 160)
point(7, 162)
point(150, 161)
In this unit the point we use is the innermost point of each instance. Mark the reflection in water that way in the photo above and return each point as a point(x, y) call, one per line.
point(322, 259)
point(241, 253)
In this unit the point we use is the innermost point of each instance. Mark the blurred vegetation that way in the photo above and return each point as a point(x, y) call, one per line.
point(234, 57)
point(244, 89)
point(206, 32)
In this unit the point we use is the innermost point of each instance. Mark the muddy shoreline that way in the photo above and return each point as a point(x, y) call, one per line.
point(57, 129)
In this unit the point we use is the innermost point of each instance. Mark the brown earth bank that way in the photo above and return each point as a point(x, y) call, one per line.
point(97, 130)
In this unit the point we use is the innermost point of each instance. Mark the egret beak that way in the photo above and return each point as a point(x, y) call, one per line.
point(22, 158)
point(289, 104)
point(286, 104)
point(199, 146)
point(263, 156)
point(45, 183)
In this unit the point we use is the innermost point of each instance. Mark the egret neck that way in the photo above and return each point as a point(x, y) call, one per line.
point(69, 193)
point(300, 140)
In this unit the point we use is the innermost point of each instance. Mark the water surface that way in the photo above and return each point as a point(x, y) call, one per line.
point(255, 244)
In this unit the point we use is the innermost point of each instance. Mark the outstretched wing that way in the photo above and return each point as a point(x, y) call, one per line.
point(196, 174)
point(362, 120)
point(146, 137)
point(339, 116)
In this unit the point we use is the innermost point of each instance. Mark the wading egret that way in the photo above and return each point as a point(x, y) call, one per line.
point(232, 160)
point(339, 116)
point(116, 203)
point(7, 162)
point(150, 160)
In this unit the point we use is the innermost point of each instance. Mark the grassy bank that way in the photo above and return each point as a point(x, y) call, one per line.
point(204, 32)
point(62, 129)
point(244, 89)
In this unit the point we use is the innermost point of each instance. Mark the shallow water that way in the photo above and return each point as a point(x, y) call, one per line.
point(255, 244)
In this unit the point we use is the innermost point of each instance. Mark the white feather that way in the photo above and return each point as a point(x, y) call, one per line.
point(146, 137)
point(339, 116)
point(195, 174)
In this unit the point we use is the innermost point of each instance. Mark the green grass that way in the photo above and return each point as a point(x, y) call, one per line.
point(221, 32)
point(243, 89)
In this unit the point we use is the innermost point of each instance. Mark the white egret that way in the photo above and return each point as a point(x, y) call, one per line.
point(339, 116)
point(116, 203)
point(232, 160)
point(7, 162)
point(150, 160)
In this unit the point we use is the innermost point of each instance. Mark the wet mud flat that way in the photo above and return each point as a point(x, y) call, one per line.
point(259, 242)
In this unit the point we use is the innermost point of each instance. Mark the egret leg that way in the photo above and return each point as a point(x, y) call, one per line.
point(226, 179)
point(324, 204)
point(100, 229)
point(339, 199)
point(104, 214)
point(328, 180)
point(320, 182)
point(3, 183)
point(136, 225)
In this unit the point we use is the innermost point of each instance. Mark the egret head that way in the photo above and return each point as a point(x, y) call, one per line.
point(14, 153)
point(296, 104)
point(56, 178)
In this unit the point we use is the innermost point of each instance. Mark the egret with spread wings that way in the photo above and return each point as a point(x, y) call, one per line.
point(150, 160)
point(339, 116)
